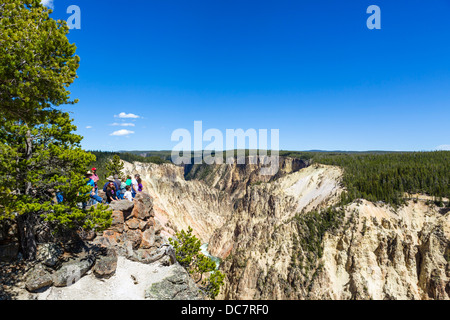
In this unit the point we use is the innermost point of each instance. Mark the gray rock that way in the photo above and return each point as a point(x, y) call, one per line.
point(38, 278)
point(170, 257)
point(122, 205)
point(132, 238)
point(117, 223)
point(178, 286)
point(164, 254)
point(105, 266)
point(50, 254)
point(72, 271)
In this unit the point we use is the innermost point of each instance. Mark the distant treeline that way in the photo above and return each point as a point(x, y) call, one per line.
point(374, 176)
point(103, 157)
point(387, 177)
point(157, 157)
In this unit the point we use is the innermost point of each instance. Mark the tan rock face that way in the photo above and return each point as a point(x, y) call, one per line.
point(376, 252)
point(235, 178)
point(269, 206)
point(388, 254)
point(273, 248)
point(178, 204)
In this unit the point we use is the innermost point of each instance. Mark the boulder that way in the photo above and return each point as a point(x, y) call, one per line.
point(169, 257)
point(148, 239)
point(122, 205)
point(164, 254)
point(86, 235)
point(132, 238)
point(143, 225)
point(134, 233)
point(144, 256)
point(105, 266)
point(37, 279)
point(50, 254)
point(133, 223)
point(72, 271)
point(178, 286)
point(109, 239)
point(143, 206)
point(117, 221)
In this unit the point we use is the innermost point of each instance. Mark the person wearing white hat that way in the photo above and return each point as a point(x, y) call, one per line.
point(110, 179)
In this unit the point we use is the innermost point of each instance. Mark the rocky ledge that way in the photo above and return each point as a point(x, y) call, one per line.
point(123, 253)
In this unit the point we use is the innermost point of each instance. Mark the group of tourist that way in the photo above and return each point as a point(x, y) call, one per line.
point(115, 189)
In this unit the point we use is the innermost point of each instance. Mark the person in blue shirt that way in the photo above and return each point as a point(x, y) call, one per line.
point(91, 183)
point(59, 197)
point(117, 184)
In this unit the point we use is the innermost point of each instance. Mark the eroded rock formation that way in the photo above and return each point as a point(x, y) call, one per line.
point(178, 204)
point(280, 237)
point(274, 246)
point(134, 234)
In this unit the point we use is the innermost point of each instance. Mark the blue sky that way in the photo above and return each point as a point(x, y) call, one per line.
point(311, 69)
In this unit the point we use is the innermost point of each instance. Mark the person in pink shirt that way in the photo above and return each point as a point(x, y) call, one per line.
point(95, 177)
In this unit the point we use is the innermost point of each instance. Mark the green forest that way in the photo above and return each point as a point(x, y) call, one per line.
point(374, 176)
point(378, 176)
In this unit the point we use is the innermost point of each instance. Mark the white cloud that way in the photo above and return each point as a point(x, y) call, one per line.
point(48, 4)
point(88, 127)
point(122, 132)
point(123, 124)
point(124, 115)
point(444, 147)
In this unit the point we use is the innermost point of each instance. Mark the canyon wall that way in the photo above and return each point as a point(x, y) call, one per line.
point(278, 240)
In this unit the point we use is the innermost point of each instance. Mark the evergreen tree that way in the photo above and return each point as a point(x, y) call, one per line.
point(38, 160)
point(387, 177)
point(187, 250)
point(37, 62)
point(39, 153)
point(115, 166)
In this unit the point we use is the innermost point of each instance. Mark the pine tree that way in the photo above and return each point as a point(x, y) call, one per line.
point(37, 62)
point(38, 160)
point(39, 153)
point(187, 251)
point(115, 166)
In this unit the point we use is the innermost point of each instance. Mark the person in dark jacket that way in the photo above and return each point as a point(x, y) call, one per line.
point(110, 179)
point(111, 193)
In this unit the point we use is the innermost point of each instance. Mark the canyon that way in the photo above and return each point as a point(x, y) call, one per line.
point(280, 237)
point(286, 237)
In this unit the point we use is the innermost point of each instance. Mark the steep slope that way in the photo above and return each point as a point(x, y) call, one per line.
point(267, 206)
point(387, 254)
point(235, 178)
point(275, 249)
point(278, 240)
point(178, 203)
point(202, 196)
